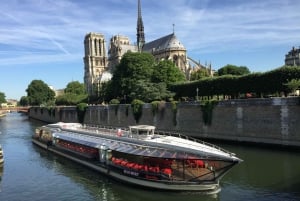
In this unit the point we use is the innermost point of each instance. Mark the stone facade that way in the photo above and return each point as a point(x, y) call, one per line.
point(292, 58)
point(119, 45)
point(96, 61)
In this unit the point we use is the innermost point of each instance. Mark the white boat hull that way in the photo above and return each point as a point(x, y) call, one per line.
point(209, 187)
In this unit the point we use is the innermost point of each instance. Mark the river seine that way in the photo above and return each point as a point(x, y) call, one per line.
point(30, 173)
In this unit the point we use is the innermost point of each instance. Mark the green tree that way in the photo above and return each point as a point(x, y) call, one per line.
point(199, 74)
point(233, 70)
point(167, 72)
point(39, 93)
point(148, 91)
point(103, 92)
point(24, 101)
point(2, 97)
point(133, 67)
point(75, 87)
point(74, 94)
point(292, 85)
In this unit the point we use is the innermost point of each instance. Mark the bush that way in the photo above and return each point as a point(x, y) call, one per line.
point(154, 105)
point(114, 101)
point(259, 83)
point(137, 109)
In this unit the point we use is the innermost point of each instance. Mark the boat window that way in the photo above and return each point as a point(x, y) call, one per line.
point(142, 130)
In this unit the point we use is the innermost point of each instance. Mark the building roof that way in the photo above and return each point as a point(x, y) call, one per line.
point(166, 42)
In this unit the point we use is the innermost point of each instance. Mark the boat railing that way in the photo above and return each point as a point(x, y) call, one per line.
point(103, 129)
point(182, 136)
point(111, 130)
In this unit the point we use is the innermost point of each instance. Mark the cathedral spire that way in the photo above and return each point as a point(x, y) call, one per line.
point(140, 29)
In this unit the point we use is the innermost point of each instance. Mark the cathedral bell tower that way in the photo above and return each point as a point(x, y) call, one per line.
point(140, 29)
point(95, 60)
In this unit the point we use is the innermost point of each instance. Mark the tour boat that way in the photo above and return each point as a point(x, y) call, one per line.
point(1, 157)
point(140, 155)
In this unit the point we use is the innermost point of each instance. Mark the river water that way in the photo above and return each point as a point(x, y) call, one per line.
point(31, 173)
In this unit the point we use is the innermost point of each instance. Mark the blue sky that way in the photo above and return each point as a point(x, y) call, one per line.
point(43, 39)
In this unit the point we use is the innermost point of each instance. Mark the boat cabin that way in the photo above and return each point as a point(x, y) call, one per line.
point(141, 131)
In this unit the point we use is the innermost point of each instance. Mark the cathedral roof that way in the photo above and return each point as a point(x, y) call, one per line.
point(166, 42)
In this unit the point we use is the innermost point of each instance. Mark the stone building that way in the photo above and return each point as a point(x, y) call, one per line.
point(292, 58)
point(119, 45)
point(96, 62)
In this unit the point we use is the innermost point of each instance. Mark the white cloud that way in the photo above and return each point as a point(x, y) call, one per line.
point(57, 28)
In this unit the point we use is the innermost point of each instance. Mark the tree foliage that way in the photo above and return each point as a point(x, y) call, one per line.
point(167, 72)
point(270, 82)
point(132, 68)
point(139, 77)
point(74, 94)
point(39, 93)
point(75, 87)
point(233, 70)
point(24, 101)
point(2, 97)
point(199, 74)
point(148, 91)
point(292, 85)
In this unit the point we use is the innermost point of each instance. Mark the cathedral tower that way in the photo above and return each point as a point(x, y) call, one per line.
point(140, 29)
point(95, 60)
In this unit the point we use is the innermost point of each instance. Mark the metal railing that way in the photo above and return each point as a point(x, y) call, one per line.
point(112, 131)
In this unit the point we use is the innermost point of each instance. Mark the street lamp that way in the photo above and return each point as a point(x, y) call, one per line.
point(197, 90)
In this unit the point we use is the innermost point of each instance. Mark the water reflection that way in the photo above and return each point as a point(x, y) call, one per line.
point(97, 185)
point(32, 173)
point(1, 175)
point(266, 174)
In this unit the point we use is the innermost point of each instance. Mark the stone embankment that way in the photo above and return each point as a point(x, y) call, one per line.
point(273, 121)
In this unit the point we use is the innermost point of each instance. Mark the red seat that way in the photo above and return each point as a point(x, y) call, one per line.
point(154, 169)
point(123, 163)
point(199, 163)
point(167, 171)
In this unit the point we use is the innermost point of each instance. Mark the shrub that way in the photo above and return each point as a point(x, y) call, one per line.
point(137, 109)
point(114, 101)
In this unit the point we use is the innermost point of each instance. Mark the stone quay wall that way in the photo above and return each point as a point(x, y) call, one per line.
point(274, 121)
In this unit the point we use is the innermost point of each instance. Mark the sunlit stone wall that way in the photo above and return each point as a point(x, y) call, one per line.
point(271, 121)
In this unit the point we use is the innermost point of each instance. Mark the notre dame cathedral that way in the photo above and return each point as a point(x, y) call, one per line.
point(98, 67)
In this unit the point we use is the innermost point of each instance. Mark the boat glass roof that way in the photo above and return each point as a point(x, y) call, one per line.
point(121, 146)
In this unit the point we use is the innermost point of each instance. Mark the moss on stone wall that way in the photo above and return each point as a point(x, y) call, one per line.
point(81, 109)
point(207, 111)
point(137, 109)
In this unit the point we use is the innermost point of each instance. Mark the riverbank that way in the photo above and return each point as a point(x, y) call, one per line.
point(2, 114)
point(271, 121)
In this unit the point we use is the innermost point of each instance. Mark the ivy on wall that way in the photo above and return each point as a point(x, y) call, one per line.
point(154, 105)
point(207, 110)
point(127, 110)
point(137, 109)
point(51, 111)
point(116, 104)
point(81, 109)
